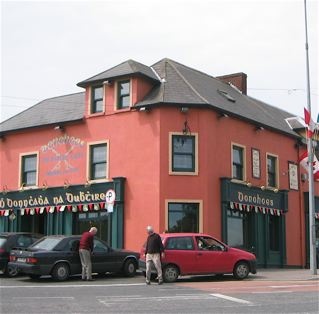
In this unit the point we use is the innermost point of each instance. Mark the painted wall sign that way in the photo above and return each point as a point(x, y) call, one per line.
point(60, 155)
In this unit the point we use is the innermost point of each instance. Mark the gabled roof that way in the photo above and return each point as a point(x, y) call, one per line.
point(177, 85)
point(182, 85)
point(127, 68)
point(55, 110)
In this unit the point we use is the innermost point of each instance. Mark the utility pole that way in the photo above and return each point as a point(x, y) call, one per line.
point(312, 230)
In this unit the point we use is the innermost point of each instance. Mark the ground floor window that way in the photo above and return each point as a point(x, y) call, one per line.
point(239, 229)
point(100, 220)
point(183, 217)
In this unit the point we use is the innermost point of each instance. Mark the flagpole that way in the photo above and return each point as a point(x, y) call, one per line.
point(312, 230)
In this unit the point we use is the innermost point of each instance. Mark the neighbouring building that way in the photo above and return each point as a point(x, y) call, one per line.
point(177, 148)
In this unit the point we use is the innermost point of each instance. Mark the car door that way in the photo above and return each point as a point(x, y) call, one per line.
point(180, 250)
point(211, 255)
point(104, 259)
point(71, 254)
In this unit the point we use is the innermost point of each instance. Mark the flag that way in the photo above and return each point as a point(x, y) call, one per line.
point(310, 123)
point(303, 161)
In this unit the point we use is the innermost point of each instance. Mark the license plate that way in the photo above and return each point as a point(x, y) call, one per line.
point(21, 259)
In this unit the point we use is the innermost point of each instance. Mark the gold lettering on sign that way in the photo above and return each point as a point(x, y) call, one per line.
point(255, 199)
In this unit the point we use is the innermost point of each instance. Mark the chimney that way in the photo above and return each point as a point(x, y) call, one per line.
point(237, 79)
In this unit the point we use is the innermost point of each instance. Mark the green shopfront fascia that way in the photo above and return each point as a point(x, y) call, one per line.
point(66, 210)
point(254, 220)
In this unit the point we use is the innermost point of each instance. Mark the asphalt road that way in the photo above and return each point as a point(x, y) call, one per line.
point(111, 294)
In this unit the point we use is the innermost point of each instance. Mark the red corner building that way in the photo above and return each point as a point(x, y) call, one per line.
point(163, 145)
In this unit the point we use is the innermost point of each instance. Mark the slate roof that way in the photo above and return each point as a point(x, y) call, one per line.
point(186, 86)
point(127, 68)
point(51, 111)
point(175, 85)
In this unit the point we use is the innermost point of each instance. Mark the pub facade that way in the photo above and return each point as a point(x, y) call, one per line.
point(162, 145)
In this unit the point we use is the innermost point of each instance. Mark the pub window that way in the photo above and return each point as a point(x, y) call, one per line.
point(183, 217)
point(271, 171)
point(97, 99)
point(98, 161)
point(123, 94)
point(238, 162)
point(183, 154)
point(29, 170)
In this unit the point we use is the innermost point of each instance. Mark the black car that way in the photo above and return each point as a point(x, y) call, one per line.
point(10, 240)
point(58, 256)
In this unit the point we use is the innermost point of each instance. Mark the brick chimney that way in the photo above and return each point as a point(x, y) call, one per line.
point(237, 79)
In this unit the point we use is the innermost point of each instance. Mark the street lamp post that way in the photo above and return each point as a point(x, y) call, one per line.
point(312, 231)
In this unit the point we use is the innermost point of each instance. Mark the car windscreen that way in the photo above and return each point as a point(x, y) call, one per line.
point(3, 240)
point(46, 244)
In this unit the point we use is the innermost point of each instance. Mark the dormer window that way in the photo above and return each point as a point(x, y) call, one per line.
point(97, 99)
point(123, 94)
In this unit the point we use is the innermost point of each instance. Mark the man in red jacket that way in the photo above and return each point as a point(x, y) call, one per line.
point(85, 250)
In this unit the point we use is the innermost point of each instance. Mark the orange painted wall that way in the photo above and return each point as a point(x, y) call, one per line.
point(139, 151)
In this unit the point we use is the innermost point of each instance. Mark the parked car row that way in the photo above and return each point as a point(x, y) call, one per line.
point(58, 257)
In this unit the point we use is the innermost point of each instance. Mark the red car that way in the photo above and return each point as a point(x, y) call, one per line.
point(200, 254)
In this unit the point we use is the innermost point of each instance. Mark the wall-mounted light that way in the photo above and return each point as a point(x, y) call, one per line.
point(222, 115)
point(259, 128)
point(262, 187)
point(66, 184)
point(184, 109)
point(44, 186)
point(87, 184)
point(304, 177)
point(249, 184)
point(186, 130)
point(21, 189)
point(276, 190)
point(4, 189)
point(59, 128)
point(108, 82)
point(146, 109)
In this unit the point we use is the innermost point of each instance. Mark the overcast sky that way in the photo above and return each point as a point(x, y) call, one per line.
point(47, 47)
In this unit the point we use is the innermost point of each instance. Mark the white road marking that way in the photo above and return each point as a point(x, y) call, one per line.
point(42, 298)
point(271, 292)
point(226, 297)
point(293, 286)
point(75, 286)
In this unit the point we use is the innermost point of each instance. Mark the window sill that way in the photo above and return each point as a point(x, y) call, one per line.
point(174, 173)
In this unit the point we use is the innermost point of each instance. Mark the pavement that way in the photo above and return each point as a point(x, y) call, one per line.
point(285, 274)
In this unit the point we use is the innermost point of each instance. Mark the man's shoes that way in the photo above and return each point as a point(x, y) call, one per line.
point(160, 282)
point(91, 279)
point(148, 282)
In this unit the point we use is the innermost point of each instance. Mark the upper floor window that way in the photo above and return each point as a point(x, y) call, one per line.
point(97, 99)
point(98, 162)
point(123, 94)
point(271, 171)
point(183, 150)
point(238, 162)
point(29, 170)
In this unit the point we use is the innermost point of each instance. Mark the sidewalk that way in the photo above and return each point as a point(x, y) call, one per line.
point(285, 274)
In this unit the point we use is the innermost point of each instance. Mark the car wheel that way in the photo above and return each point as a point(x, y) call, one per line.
point(241, 270)
point(170, 273)
point(11, 271)
point(129, 268)
point(61, 272)
point(33, 276)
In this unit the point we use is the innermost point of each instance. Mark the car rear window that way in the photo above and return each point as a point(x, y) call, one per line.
point(179, 243)
point(47, 244)
point(2, 241)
